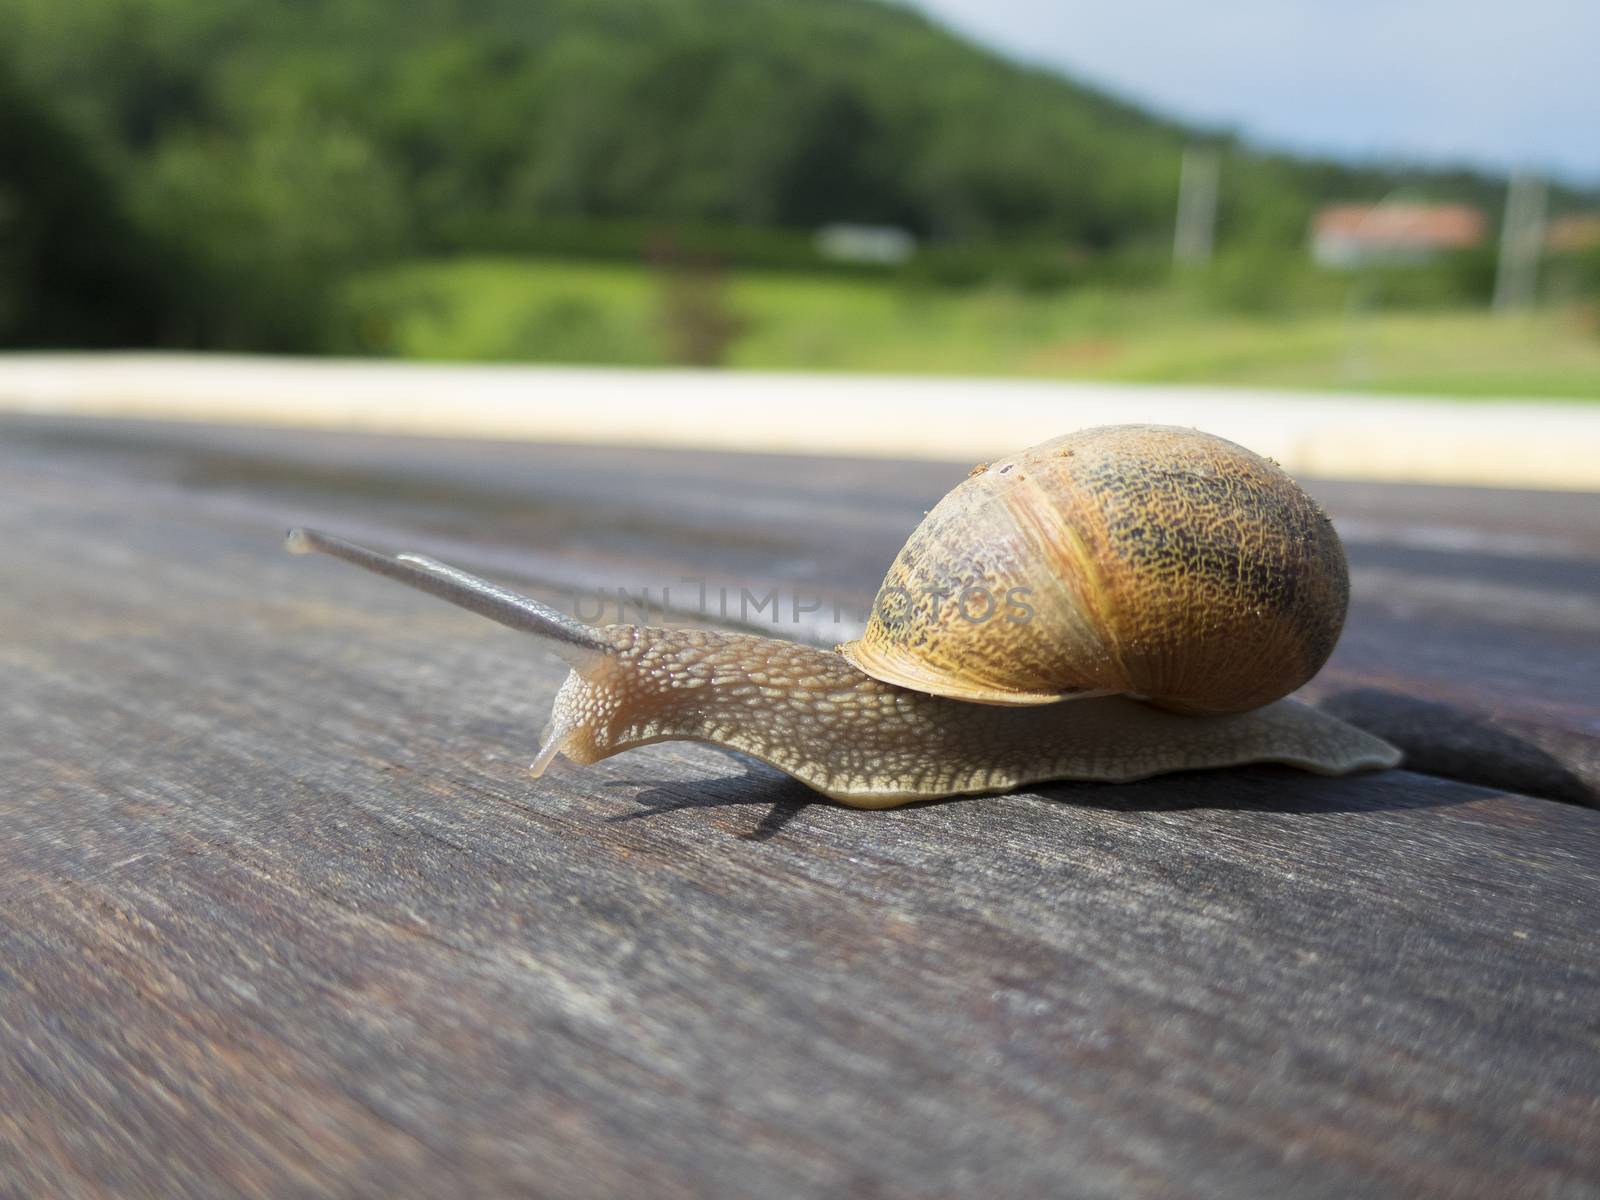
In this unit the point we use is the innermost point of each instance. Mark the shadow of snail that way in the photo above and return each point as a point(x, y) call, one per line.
point(1178, 588)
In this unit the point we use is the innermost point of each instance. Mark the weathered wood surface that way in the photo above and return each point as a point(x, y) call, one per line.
point(1471, 643)
point(281, 913)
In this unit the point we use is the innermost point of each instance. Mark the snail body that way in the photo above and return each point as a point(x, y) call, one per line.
point(870, 744)
point(1170, 586)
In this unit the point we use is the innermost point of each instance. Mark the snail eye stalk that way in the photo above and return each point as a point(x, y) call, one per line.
point(577, 644)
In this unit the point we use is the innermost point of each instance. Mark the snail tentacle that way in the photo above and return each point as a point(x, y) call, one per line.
point(574, 642)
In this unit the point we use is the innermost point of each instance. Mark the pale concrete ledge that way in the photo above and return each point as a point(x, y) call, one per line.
point(1508, 444)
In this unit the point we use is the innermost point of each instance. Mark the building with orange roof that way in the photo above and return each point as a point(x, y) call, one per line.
point(1356, 235)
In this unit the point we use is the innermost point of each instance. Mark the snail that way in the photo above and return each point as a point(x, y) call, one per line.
point(1113, 604)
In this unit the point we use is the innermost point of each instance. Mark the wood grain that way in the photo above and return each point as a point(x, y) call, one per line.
point(282, 915)
point(1471, 639)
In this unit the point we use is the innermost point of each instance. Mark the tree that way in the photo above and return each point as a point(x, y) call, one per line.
point(74, 269)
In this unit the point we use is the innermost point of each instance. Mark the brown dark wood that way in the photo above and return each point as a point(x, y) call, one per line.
point(281, 913)
point(1471, 641)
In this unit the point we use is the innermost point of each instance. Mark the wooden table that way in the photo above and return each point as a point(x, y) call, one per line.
point(281, 913)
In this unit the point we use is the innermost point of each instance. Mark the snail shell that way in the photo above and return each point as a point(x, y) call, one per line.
point(1145, 560)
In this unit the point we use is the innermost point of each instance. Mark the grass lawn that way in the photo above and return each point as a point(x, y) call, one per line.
point(558, 311)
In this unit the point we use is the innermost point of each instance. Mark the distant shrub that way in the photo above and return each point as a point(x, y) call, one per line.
point(75, 270)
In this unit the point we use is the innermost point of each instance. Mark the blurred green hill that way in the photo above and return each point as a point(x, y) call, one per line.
point(209, 173)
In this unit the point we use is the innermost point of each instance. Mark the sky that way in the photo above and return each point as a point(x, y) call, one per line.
point(1504, 84)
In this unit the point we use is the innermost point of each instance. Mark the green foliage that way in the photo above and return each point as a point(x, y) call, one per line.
point(263, 153)
point(510, 309)
point(1574, 277)
point(73, 269)
point(269, 221)
point(1466, 275)
point(563, 311)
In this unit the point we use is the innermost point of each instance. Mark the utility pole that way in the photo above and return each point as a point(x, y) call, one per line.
point(1197, 205)
point(1521, 241)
